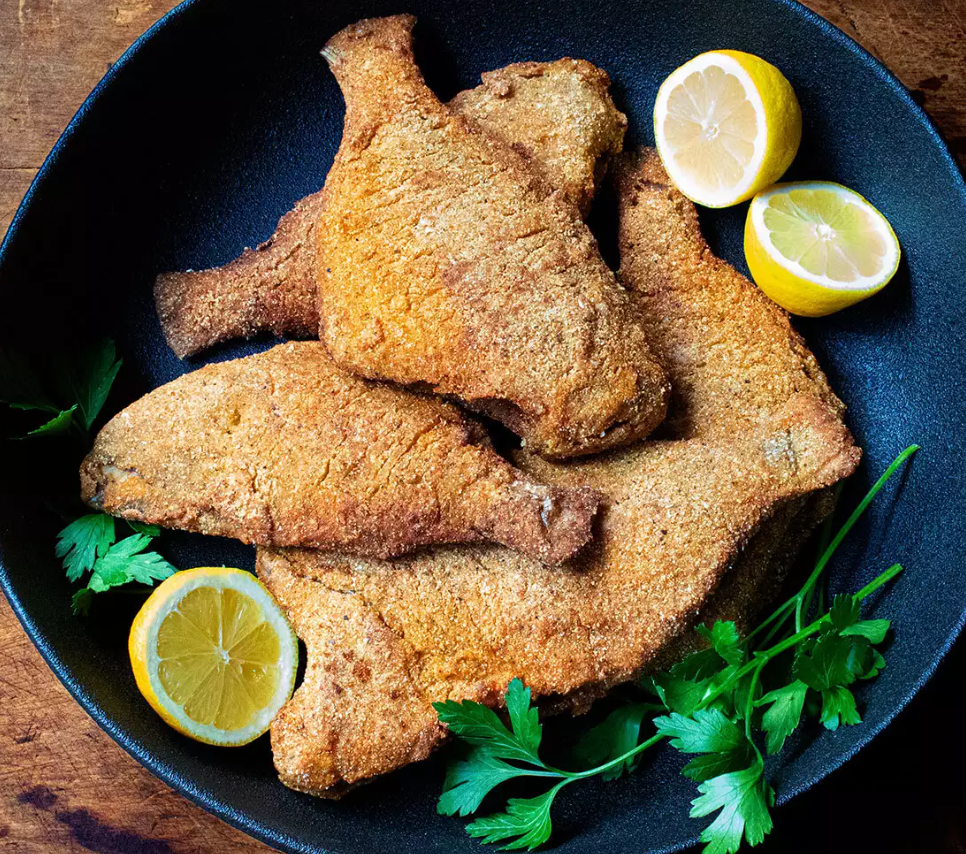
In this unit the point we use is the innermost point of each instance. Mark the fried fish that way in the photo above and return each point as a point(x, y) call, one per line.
point(558, 115)
point(730, 352)
point(283, 448)
point(445, 261)
point(387, 639)
point(691, 527)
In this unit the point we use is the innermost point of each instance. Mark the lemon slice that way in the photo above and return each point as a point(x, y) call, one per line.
point(816, 247)
point(214, 655)
point(727, 125)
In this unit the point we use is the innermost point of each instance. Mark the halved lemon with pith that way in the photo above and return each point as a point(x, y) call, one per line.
point(727, 124)
point(214, 655)
point(816, 247)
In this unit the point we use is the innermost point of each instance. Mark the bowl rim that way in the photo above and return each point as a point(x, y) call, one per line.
point(208, 800)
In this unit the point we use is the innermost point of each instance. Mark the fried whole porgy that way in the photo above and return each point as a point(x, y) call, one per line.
point(730, 352)
point(698, 526)
point(283, 448)
point(445, 261)
point(387, 639)
point(559, 115)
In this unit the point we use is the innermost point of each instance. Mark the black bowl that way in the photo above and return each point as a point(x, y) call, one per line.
point(218, 119)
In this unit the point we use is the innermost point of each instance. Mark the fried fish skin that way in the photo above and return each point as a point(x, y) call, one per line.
point(695, 527)
point(730, 352)
point(284, 448)
point(446, 261)
point(559, 115)
point(386, 639)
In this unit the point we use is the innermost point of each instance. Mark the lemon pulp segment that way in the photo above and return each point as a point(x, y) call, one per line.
point(214, 655)
point(218, 658)
point(816, 247)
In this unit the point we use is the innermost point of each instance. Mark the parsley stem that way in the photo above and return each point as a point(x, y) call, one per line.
point(640, 748)
point(844, 530)
point(555, 773)
point(775, 629)
point(878, 582)
point(825, 537)
point(797, 601)
point(750, 702)
point(764, 656)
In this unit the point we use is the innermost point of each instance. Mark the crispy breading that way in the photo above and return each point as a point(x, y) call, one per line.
point(446, 261)
point(730, 352)
point(283, 448)
point(386, 639)
point(559, 115)
point(749, 588)
point(270, 288)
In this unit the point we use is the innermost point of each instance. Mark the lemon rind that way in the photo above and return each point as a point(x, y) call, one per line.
point(170, 710)
point(867, 283)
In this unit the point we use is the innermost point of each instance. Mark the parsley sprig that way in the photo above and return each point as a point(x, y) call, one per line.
point(89, 545)
point(70, 390)
point(710, 706)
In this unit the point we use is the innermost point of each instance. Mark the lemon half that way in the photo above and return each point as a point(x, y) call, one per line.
point(816, 247)
point(727, 124)
point(214, 655)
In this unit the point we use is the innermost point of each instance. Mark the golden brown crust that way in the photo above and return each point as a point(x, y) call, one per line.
point(284, 448)
point(743, 595)
point(559, 115)
point(467, 620)
point(267, 289)
point(747, 590)
point(679, 517)
point(446, 261)
point(730, 352)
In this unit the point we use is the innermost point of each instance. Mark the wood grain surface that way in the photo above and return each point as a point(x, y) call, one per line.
point(65, 786)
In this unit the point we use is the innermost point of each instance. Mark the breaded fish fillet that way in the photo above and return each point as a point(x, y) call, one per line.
point(445, 261)
point(283, 448)
point(730, 352)
point(386, 639)
point(735, 490)
point(559, 115)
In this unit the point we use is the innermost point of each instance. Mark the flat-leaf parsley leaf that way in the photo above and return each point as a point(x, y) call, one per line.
point(88, 546)
point(712, 706)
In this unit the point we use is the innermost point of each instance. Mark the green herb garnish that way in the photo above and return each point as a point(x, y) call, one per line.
point(72, 395)
point(711, 705)
point(89, 545)
point(73, 390)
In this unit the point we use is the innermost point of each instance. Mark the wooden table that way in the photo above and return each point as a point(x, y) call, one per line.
point(65, 786)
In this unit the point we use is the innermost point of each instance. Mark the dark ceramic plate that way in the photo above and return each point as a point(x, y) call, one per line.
point(214, 123)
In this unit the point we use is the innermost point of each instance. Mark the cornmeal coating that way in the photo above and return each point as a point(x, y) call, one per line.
point(285, 449)
point(445, 261)
point(387, 639)
point(699, 526)
point(730, 352)
point(559, 115)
